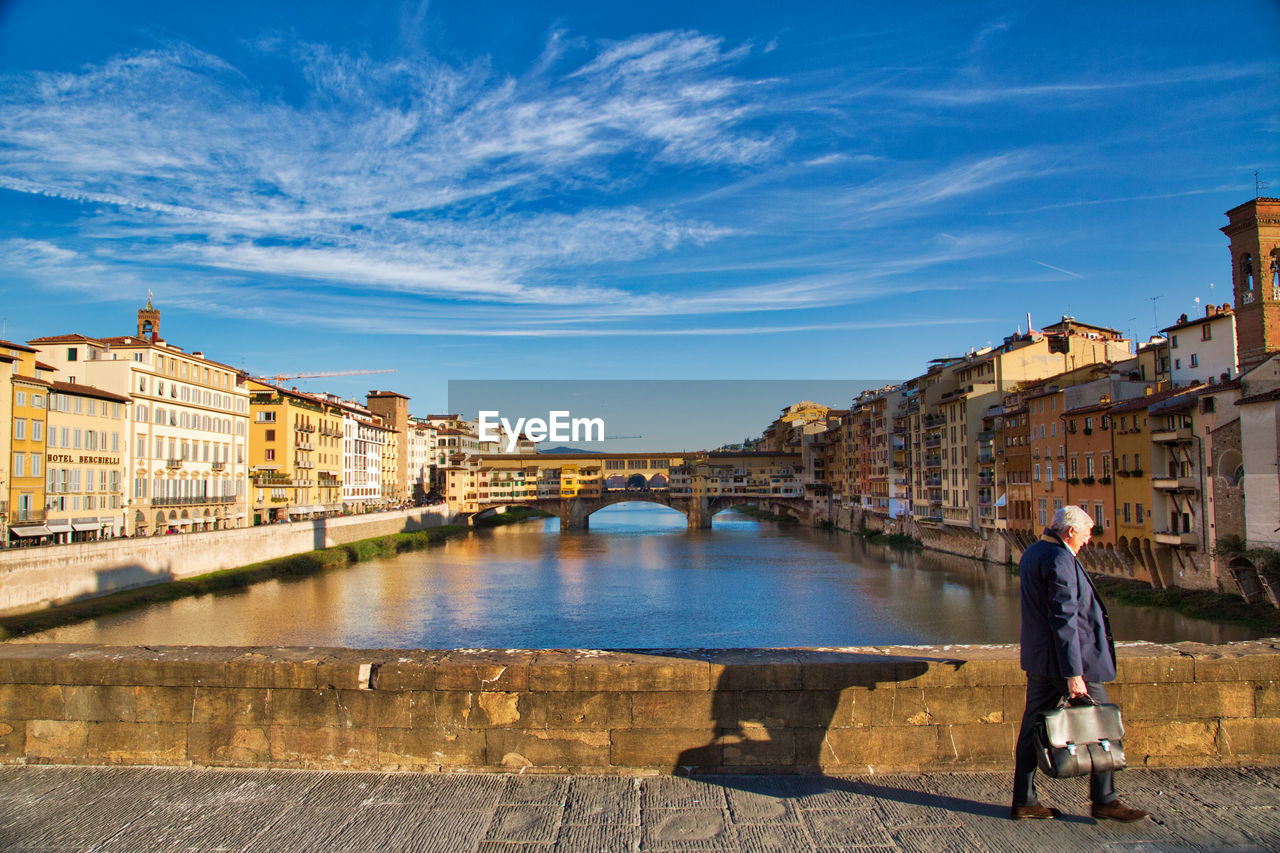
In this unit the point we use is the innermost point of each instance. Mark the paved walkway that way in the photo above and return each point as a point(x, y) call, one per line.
point(145, 809)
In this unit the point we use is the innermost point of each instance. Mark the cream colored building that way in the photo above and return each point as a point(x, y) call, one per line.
point(188, 443)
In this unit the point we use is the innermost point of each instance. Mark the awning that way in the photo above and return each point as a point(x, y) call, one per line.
point(59, 525)
point(181, 522)
point(82, 526)
point(31, 530)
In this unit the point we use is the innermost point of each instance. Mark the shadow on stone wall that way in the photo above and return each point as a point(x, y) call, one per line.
point(775, 709)
point(120, 578)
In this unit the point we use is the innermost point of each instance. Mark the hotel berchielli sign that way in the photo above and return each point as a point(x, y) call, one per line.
point(68, 459)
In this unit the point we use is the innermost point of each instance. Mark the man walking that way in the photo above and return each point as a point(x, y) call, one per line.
point(1067, 650)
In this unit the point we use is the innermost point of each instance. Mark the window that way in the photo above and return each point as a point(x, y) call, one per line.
point(270, 455)
point(37, 401)
point(1137, 513)
point(20, 398)
point(71, 354)
point(1173, 341)
point(37, 430)
point(20, 429)
point(1128, 515)
point(19, 464)
point(1195, 360)
point(1206, 332)
point(1177, 364)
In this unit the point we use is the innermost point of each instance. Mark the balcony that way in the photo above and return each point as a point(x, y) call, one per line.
point(985, 457)
point(306, 428)
point(194, 500)
point(305, 445)
point(21, 515)
point(173, 463)
point(218, 466)
point(934, 441)
point(1175, 484)
point(933, 462)
point(1177, 540)
point(1165, 436)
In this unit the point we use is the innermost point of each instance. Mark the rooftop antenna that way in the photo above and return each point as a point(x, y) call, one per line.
point(1155, 318)
point(1258, 185)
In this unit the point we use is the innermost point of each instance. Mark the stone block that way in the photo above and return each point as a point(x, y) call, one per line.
point(552, 670)
point(1001, 667)
point(374, 708)
point(347, 669)
point(13, 739)
point(755, 669)
point(324, 746)
point(1148, 663)
point(33, 663)
point(902, 707)
point(268, 668)
point(964, 705)
point(306, 708)
point(49, 739)
point(675, 710)
point(164, 704)
point(979, 742)
point(1164, 738)
point(574, 710)
point(137, 743)
point(31, 702)
point(408, 670)
point(1188, 701)
point(758, 748)
point(562, 749)
point(215, 743)
point(99, 703)
point(438, 746)
point(882, 749)
point(1266, 698)
point(665, 750)
point(935, 673)
point(1251, 739)
point(853, 707)
point(641, 673)
point(231, 706)
point(837, 670)
point(489, 671)
point(1254, 664)
point(781, 709)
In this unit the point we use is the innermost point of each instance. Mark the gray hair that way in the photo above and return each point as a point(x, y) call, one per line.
point(1070, 518)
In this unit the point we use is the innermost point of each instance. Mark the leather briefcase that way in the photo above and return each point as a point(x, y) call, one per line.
point(1079, 739)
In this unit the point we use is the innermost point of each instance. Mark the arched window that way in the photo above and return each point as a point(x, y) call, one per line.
point(1246, 271)
point(1275, 268)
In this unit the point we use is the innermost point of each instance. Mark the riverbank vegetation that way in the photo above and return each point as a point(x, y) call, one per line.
point(293, 566)
point(1196, 603)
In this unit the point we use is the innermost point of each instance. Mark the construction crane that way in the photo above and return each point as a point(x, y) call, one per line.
point(281, 377)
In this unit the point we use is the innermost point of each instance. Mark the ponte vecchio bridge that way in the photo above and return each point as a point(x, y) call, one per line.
point(575, 485)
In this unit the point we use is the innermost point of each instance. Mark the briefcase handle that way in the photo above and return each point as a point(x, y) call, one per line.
point(1083, 699)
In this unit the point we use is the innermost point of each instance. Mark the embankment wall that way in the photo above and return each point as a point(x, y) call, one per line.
point(846, 711)
point(31, 578)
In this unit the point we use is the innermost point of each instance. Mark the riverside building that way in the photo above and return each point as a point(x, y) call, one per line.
point(86, 462)
point(186, 455)
point(296, 454)
point(22, 474)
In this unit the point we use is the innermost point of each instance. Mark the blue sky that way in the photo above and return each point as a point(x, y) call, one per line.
point(595, 190)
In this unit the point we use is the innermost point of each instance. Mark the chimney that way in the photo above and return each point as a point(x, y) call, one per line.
point(1210, 310)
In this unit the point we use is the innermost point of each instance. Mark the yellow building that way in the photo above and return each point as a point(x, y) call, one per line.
point(295, 454)
point(86, 462)
point(27, 393)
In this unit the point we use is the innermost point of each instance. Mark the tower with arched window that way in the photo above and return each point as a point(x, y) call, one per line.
point(1254, 232)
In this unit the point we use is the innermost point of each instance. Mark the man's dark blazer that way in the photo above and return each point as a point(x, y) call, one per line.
point(1065, 630)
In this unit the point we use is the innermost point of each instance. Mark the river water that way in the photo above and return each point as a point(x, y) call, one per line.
point(637, 579)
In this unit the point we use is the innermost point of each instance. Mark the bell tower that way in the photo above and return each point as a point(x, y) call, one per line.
point(1254, 232)
point(149, 322)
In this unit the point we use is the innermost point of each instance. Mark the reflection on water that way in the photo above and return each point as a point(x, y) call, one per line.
point(637, 579)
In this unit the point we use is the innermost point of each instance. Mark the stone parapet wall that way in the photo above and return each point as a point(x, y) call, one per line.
point(845, 711)
point(31, 578)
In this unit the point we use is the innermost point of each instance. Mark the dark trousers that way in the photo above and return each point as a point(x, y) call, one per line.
point(1043, 694)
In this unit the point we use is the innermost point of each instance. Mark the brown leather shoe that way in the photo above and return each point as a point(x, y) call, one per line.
point(1034, 812)
point(1116, 811)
